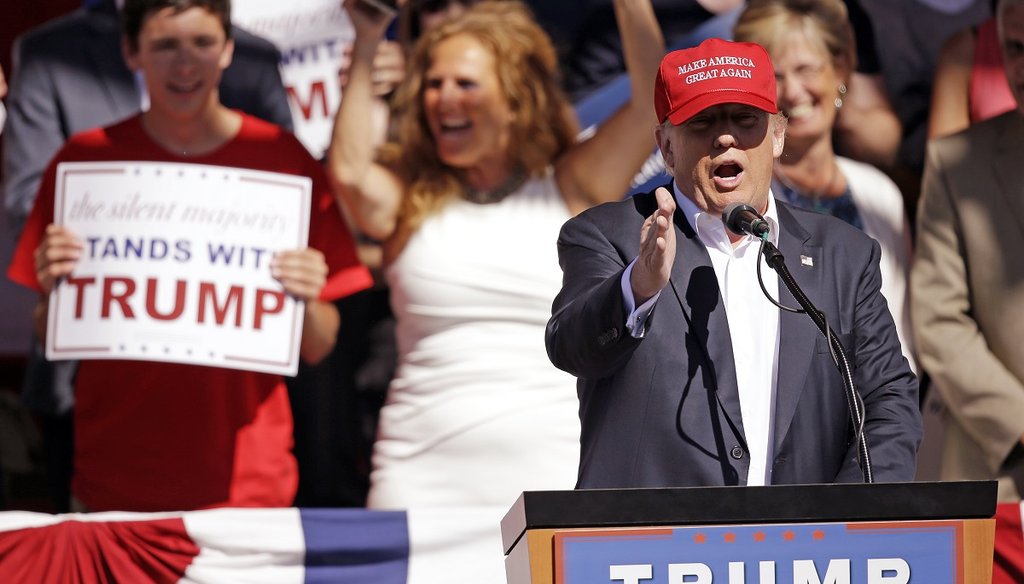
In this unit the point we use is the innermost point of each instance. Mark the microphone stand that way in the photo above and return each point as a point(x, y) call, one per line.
point(775, 260)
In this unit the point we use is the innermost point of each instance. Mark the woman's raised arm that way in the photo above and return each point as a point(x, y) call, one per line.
point(600, 169)
point(370, 192)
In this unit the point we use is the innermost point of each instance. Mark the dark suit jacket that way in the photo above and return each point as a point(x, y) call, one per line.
point(664, 410)
point(69, 76)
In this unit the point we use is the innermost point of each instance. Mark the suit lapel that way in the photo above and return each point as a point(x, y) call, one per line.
point(1009, 171)
point(103, 53)
point(796, 332)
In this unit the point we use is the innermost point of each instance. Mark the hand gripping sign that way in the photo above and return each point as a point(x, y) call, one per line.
point(175, 265)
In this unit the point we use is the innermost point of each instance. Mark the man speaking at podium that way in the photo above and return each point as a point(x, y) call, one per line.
point(688, 374)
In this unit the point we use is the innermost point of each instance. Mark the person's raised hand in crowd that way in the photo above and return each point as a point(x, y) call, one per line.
point(388, 67)
point(369, 23)
point(388, 62)
point(387, 72)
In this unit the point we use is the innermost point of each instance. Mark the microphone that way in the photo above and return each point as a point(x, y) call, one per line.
point(743, 219)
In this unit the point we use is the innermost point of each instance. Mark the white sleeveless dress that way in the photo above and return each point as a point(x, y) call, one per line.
point(477, 413)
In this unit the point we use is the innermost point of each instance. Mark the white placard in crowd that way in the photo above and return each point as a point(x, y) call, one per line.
point(311, 35)
point(176, 265)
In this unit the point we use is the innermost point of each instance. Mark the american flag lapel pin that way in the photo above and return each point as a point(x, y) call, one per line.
point(807, 261)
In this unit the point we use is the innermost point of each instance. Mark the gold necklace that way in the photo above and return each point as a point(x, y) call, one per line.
point(497, 194)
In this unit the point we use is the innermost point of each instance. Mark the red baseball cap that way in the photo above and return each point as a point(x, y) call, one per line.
point(714, 72)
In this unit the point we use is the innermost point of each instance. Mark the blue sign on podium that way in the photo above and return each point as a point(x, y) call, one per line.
point(827, 553)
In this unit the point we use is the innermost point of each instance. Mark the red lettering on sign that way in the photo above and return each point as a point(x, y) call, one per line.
point(122, 299)
point(79, 284)
point(262, 308)
point(317, 96)
point(208, 293)
point(179, 301)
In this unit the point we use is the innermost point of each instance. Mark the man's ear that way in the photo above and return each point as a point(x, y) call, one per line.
point(778, 130)
point(228, 54)
point(131, 55)
point(661, 135)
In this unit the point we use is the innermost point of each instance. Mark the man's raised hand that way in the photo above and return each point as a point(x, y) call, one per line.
point(657, 249)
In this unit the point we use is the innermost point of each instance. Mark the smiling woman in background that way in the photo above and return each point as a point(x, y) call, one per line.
point(811, 44)
point(468, 203)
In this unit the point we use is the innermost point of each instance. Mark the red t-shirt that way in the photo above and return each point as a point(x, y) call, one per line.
point(161, 436)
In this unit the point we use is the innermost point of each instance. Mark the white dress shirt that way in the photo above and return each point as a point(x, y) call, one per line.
point(753, 323)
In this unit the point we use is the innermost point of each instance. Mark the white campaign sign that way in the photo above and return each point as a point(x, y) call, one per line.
point(311, 35)
point(175, 265)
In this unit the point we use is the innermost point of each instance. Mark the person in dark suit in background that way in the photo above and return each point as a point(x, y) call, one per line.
point(688, 375)
point(69, 76)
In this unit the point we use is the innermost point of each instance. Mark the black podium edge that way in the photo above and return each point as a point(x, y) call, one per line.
point(608, 508)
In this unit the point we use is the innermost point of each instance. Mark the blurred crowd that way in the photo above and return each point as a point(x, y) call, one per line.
point(446, 151)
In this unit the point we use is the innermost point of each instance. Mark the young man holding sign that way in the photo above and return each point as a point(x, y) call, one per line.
point(154, 436)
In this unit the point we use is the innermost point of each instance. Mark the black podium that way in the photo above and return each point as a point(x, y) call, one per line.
point(887, 533)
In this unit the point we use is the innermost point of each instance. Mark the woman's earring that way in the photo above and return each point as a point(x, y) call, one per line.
point(839, 98)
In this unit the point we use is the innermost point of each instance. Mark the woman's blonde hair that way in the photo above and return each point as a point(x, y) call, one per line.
point(543, 122)
point(770, 22)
